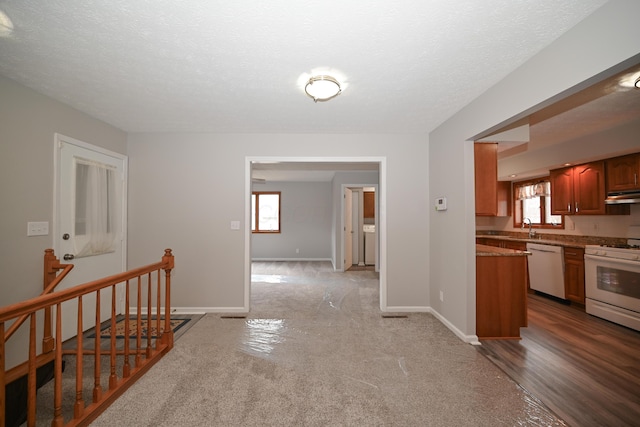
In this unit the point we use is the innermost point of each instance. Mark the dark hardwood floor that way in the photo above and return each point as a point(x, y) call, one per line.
point(585, 369)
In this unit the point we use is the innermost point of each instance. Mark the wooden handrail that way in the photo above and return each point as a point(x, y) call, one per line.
point(39, 303)
point(50, 267)
point(151, 350)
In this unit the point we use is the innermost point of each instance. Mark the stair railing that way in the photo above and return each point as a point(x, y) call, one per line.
point(139, 286)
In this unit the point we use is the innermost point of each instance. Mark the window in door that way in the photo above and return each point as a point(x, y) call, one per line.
point(265, 212)
point(532, 200)
point(95, 211)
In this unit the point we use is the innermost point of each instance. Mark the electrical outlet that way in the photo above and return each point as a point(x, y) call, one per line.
point(596, 226)
point(441, 296)
point(297, 250)
point(38, 228)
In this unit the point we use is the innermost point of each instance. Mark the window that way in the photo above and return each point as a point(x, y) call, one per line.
point(532, 200)
point(265, 212)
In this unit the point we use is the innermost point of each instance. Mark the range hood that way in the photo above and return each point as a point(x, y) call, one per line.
point(621, 197)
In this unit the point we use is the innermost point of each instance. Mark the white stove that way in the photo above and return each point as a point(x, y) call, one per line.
point(630, 251)
point(612, 282)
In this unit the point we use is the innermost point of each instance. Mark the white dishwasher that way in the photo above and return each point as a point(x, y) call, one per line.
point(546, 269)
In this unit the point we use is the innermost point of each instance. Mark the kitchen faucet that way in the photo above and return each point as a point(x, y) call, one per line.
point(532, 232)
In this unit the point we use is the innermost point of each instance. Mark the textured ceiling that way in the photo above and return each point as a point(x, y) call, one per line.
point(234, 66)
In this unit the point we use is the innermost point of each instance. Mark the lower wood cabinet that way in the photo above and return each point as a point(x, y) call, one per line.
point(574, 274)
point(501, 296)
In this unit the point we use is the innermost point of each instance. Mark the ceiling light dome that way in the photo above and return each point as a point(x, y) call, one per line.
point(322, 88)
point(6, 26)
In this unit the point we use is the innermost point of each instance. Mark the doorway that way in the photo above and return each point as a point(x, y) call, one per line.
point(340, 164)
point(360, 236)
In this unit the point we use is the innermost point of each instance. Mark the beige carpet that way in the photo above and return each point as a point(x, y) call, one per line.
point(315, 351)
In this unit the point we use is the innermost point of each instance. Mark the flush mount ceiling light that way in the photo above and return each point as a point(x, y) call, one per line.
point(637, 83)
point(6, 26)
point(322, 88)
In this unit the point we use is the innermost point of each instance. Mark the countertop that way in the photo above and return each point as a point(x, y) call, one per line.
point(484, 250)
point(553, 239)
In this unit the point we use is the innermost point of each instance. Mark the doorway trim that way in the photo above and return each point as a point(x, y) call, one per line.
point(343, 237)
point(381, 215)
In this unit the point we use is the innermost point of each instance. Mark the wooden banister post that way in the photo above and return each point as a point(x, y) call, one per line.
point(167, 336)
point(49, 275)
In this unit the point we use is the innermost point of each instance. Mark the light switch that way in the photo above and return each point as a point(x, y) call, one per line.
point(235, 225)
point(38, 228)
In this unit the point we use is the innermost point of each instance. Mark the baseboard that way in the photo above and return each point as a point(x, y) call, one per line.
point(195, 310)
point(406, 309)
point(289, 259)
point(469, 339)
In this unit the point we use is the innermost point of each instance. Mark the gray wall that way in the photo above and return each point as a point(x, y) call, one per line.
point(305, 223)
point(185, 189)
point(28, 121)
point(605, 39)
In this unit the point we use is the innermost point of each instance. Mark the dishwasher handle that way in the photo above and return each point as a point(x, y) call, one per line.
point(541, 250)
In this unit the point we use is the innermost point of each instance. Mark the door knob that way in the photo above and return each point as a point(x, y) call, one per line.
point(68, 257)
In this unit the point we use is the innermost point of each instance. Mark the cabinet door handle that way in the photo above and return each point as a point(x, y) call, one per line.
point(576, 207)
point(635, 179)
point(568, 207)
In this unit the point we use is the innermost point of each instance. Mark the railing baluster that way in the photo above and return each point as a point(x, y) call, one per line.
point(126, 368)
point(158, 312)
point(149, 320)
point(31, 378)
point(78, 407)
point(139, 323)
point(113, 378)
point(97, 387)
point(3, 394)
point(58, 421)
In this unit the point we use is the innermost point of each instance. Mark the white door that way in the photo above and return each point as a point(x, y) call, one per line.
point(348, 229)
point(89, 222)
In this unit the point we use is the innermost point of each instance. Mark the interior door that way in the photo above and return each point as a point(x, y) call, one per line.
point(348, 228)
point(72, 229)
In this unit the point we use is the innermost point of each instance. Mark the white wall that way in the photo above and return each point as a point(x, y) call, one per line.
point(305, 223)
point(28, 122)
point(185, 189)
point(603, 40)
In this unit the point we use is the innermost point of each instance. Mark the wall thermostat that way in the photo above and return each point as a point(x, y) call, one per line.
point(441, 204)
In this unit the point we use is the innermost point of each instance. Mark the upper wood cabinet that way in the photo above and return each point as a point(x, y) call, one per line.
point(369, 210)
point(623, 173)
point(493, 198)
point(580, 190)
point(561, 191)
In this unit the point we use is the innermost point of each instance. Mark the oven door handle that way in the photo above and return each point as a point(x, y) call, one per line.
point(611, 260)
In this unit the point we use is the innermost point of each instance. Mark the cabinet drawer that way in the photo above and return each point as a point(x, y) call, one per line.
point(576, 254)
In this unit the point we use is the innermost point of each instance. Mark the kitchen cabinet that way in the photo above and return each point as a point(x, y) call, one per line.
point(501, 292)
point(574, 274)
point(623, 173)
point(493, 197)
point(580, 190)
point(369, 202)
